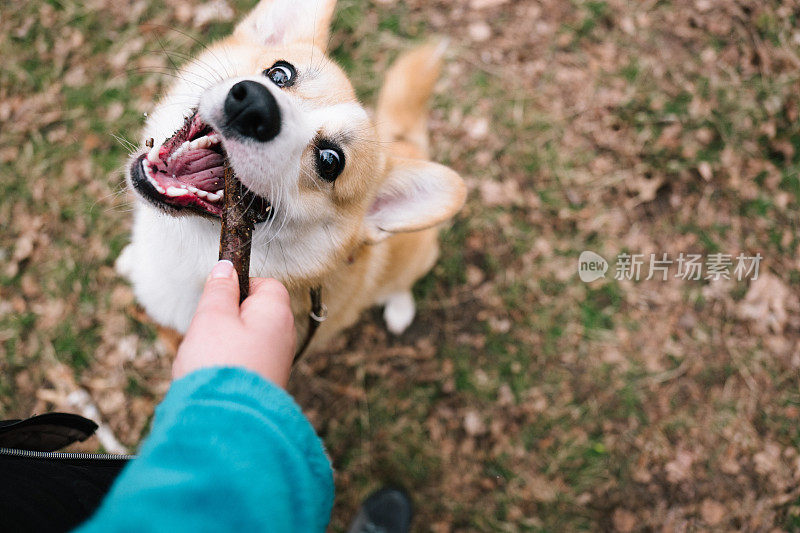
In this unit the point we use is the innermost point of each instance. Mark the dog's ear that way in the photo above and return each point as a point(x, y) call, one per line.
point(280, 22)
point(415, 195)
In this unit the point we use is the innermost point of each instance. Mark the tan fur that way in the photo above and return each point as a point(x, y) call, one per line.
point(368, 267)
point(395, 264)
point(401, 116)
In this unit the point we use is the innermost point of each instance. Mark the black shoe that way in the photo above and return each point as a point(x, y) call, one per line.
point(384, 511)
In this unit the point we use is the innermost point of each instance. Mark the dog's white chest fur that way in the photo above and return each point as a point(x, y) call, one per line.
point(167, 263)
point(169, 258)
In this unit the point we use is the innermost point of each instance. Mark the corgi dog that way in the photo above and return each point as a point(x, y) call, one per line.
point(343, 202)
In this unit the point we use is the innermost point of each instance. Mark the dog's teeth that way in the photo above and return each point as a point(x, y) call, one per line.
point(201, 193)
point(148, 172)
point(182, 148)
point(152, 155)
point(215, 196)
point(192, 189)
point(202, 142)
point(176, 191)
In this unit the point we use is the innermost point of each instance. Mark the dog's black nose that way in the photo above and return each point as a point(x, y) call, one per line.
point(251, 110)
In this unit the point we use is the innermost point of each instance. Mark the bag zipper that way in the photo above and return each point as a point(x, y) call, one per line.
point(14, 452)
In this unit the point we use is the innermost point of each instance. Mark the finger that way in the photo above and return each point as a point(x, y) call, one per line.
point(221, 293)
point(268, 303)
point(265, 295)
point(269, 285)
point(268, 310)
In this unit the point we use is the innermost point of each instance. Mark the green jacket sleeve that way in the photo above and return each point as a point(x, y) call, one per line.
point(228, 451)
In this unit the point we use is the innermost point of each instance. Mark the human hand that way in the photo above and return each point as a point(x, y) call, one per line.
point(259, 335)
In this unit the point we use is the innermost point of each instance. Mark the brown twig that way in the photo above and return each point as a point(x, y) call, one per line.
point(237, 231)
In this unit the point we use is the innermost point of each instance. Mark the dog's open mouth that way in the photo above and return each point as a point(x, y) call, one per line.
point(187, 171)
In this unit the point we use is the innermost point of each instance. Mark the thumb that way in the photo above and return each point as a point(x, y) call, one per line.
point(221, 293)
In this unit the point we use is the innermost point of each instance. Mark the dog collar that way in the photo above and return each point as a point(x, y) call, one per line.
point(317, 315)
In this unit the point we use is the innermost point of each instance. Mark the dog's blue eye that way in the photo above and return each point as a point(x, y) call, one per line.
point(330, 161)
point(281, 73)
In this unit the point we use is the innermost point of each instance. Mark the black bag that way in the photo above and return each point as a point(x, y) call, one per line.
point(42, 490)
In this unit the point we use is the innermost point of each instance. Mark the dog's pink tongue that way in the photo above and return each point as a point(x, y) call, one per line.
point(196, 160)
point(200, 168)
point(210, 180)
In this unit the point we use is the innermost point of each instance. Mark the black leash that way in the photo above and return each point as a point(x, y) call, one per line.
point(317, 315)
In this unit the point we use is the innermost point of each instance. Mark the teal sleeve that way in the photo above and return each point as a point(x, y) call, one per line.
point(228, 451)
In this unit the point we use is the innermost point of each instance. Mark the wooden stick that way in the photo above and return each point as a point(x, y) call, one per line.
point(237, 231)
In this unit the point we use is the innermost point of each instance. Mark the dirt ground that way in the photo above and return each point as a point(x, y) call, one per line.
point(522, 398)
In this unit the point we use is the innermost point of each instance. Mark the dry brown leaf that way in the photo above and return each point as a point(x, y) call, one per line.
point(473, 424)
point(768, 304)
point(680, 467)
point(502, 193)
point(624, 520)
point(712, 512)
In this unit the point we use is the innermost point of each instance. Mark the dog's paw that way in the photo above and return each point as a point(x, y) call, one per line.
point(399, 312)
